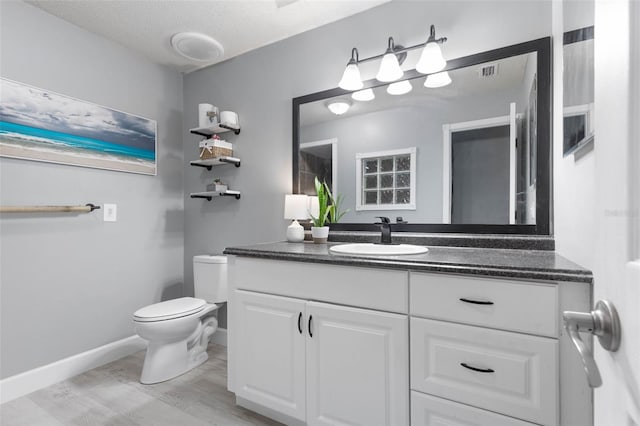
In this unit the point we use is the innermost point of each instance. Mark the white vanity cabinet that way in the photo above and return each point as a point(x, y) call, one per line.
point(316, 362)
point(324, 344)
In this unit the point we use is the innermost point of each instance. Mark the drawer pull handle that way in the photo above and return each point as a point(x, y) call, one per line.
point(479, 370)
point(476, 302)
point(309, 326)
point(299, 324)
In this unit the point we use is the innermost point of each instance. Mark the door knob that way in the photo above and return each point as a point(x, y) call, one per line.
point(602, 322)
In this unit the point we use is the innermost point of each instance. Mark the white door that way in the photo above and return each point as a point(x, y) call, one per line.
point(617, 154)
point(357, 367)
point(270, 351)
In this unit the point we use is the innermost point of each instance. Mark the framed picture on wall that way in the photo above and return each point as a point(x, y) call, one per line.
point(40, 125)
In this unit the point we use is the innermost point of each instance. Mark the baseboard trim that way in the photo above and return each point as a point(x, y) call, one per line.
point(24, 383)
point(220, 337)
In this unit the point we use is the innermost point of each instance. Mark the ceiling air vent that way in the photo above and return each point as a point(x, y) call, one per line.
point(488, 70)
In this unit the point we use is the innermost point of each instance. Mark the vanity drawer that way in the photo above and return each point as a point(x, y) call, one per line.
point(509, 373)
point(379, 289)
point(508, 305)
point(427, 410)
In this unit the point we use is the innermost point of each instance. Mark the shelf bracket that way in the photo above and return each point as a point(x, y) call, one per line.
point(208, 198)
point(231, 195)
point(202, 165)
point(226, 160)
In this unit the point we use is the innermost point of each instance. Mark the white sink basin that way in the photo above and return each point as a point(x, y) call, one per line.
point(364, 249)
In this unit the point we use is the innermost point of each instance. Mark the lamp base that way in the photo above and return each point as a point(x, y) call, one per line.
point(295, 232)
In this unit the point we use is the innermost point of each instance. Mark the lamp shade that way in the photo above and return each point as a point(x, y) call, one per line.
point(431, 59)
point(440, 79)
point(399, 87)
point(351, 78)
point(389, 68)
point(296, 206)
point(363, 95)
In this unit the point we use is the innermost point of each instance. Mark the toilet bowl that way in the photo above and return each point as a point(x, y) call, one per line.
point(178, 330)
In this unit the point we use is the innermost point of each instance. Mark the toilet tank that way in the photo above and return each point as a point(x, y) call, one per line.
point(210, 278)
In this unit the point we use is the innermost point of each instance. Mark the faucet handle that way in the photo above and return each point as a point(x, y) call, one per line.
point(383, 219)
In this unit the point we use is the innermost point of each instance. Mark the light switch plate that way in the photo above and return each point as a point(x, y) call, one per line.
point(110, 212)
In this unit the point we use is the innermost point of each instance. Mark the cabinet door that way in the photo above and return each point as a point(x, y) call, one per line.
point(357, 366)
point(271, 352)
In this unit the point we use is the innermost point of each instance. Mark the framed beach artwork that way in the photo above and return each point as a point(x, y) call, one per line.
point(40, 125)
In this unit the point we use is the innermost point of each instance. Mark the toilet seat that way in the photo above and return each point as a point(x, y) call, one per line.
point(171, 309)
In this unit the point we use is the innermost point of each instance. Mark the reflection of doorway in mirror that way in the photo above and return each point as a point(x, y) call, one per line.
point(318, 158)
point(480, 163)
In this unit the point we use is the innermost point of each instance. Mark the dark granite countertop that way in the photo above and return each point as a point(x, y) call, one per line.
point(523, 264)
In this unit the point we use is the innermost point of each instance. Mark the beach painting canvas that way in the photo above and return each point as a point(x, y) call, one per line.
point(40, 125)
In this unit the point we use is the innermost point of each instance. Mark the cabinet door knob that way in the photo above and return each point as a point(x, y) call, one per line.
point(300, 322)
point(479, 370)
point(476, 302)
point(309, 326)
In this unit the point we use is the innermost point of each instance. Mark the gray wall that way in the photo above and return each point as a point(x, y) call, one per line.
point(71, 283)
point(260, 85)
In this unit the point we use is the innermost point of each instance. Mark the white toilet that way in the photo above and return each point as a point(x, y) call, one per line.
point(178, 330)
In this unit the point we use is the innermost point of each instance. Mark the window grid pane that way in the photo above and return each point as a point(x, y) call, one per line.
point(387, 180)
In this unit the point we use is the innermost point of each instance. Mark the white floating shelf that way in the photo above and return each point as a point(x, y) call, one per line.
point(209, 194)
point(220, 128)
point(218, 161)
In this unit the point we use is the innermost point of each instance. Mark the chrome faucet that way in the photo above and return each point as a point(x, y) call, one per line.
point(385, 227)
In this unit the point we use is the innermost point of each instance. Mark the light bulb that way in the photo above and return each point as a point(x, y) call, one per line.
point(363, 95)
point(399, 88)
point(431, 59)
point(440, 79)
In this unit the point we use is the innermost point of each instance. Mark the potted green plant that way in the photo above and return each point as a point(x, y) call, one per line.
point(319, 230)
point(335, 214)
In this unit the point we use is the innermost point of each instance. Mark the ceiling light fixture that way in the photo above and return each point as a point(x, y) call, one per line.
point(339, 106)
point(363, 95)
point(197, 46)
point(399, 87)
point(436, 80)
point(431, 61)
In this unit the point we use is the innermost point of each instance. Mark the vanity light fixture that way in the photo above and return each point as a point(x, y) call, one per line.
point(351, 77)
point(431, 61)
point(436, 80)
point(363, 95)
point(389, 67)
point(339, 106)
point(399, 87)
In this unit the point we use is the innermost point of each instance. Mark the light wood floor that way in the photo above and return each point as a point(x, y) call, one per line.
point(112, 395)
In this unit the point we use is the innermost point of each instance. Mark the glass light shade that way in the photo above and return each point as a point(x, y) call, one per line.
point(389, 68)
point(296, 206)
point(339, 107)
point(399, 88)
point(440, 79)
point(363, 95)
point(431, 60)
point(314, 206)
point(351, 78)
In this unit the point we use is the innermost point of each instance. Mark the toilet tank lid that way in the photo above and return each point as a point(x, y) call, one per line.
point(204, 258)
point(170, 309)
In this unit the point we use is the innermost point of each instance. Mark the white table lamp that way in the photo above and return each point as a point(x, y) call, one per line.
point(296, 207)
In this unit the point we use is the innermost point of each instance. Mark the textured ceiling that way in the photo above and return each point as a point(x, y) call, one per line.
point(146, 26)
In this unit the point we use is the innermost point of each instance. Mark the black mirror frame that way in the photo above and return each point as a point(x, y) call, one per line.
point(544, 158)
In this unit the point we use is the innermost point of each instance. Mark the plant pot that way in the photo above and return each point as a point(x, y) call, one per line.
point(320, 234)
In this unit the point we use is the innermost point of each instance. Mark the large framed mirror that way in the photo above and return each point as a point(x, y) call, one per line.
point(472, 156)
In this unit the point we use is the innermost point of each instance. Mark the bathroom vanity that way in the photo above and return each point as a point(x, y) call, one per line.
point(456, 335)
